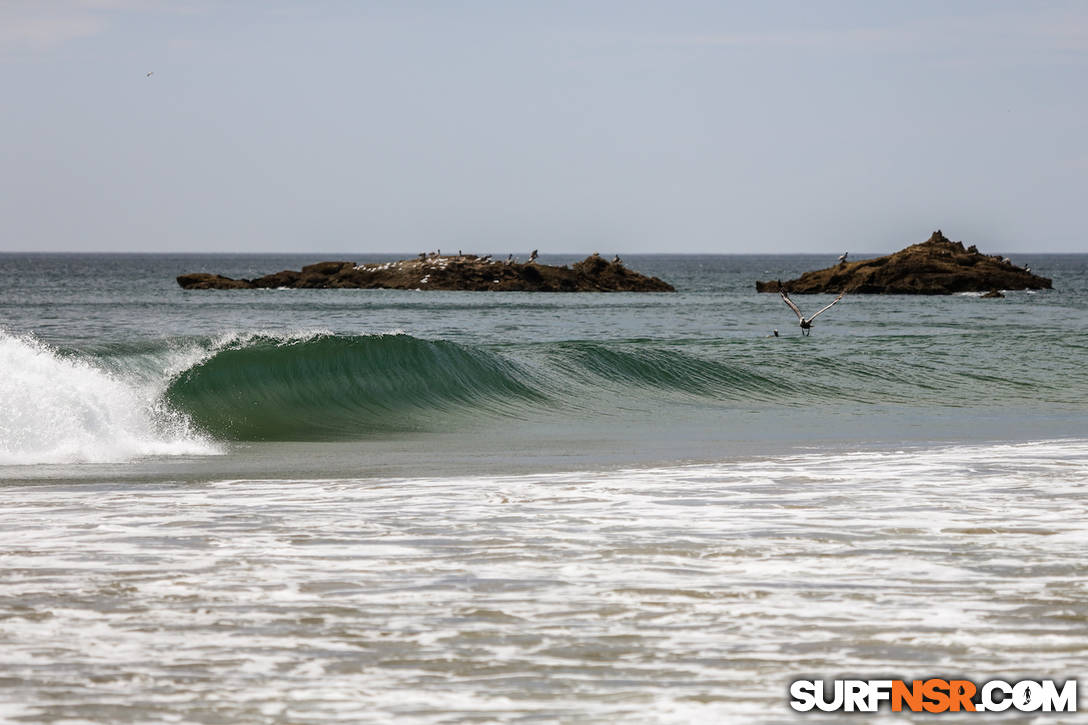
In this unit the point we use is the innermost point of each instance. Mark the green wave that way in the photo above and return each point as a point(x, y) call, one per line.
point(329, 387)
point(668, 370)
point(334, 387)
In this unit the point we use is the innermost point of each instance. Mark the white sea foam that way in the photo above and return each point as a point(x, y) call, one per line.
point(678, 594)
point(65, 409)
point(58, 408)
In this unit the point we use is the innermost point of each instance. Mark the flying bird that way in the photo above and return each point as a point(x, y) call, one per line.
point(806, 322)
point(149, 74)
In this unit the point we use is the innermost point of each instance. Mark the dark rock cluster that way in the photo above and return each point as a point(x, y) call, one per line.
point(436, 272)
point(937, 266)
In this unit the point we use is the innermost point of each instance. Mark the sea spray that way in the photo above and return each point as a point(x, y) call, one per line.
point(57, 408)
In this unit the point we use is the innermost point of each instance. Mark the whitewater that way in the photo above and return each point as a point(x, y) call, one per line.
point(684, 594)
point(364, 506)
point(60, 409)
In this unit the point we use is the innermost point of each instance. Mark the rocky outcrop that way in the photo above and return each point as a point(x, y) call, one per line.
point(936, 266)
point(461, 272)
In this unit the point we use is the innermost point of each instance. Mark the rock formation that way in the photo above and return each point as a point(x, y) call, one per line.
point(460, 272)
point(936, 266)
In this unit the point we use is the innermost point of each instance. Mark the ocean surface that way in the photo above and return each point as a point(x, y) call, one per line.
point(295, 506)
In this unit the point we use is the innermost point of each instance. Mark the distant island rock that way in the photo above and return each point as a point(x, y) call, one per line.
point(937, 266)
point(447, 273)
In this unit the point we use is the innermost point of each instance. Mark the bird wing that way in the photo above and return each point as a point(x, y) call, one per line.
point(792, 306)
point(825, 309)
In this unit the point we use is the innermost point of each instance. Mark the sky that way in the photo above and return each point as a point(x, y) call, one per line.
point(611, 125)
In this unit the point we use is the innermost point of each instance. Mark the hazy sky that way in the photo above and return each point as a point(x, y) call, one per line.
point(568, 126)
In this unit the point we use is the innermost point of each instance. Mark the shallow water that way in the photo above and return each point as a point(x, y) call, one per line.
point(671, 594)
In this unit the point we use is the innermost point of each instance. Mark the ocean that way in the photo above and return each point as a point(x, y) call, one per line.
point(294, 506)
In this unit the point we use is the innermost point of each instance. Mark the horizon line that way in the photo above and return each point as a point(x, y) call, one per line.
point(329, 255)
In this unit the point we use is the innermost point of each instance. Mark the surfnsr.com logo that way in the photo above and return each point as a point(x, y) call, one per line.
point(933, 695)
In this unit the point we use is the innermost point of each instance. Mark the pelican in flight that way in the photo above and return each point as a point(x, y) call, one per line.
point(806, 322)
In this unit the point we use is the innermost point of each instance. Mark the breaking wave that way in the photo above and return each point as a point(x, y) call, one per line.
point(187, 396)
point(328, 387)
point(59, 408)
